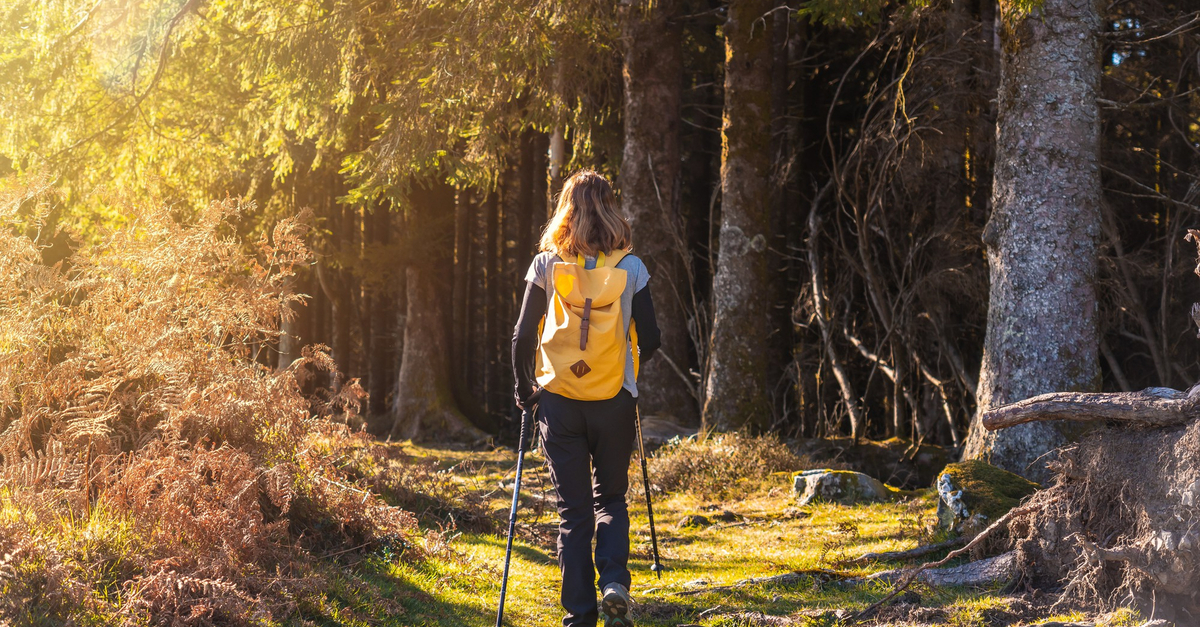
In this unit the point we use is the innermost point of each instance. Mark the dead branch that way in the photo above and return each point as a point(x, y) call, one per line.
point(1151, 406)
point(849, 396)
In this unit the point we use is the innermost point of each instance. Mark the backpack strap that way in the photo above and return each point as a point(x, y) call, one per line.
point(612, 259)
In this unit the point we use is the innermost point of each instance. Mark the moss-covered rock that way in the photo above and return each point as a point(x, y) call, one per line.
point(978, 490)
point(896, 461)
point(842, 486)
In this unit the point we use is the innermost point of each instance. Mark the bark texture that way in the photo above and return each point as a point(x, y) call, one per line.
point(1041, 238)
point(736, 389)
point(985, 572)
point(649, 182)
point(1152, 406)
point(425, 407)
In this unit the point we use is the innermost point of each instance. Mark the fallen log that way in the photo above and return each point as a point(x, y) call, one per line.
point(1151, 406)
point(984, 572)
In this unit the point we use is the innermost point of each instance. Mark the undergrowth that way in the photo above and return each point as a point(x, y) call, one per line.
point(722, 464)
point(153, 470)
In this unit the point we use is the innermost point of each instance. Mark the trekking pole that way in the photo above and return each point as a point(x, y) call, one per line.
point(657, 567)
point(526, 419)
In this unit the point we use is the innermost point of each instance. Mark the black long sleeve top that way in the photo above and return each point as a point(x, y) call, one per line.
point(525, 335)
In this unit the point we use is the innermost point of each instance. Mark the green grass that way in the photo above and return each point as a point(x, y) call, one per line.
point(770, 537)
point(458, 585)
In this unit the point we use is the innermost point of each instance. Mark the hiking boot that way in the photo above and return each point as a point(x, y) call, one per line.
point(614, 606)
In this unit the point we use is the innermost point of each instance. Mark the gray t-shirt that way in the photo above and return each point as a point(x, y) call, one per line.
point(637, 276)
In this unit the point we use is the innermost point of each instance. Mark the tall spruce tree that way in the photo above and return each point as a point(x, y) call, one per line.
point(1042, 235)
point(649, 183)
point(736, 386)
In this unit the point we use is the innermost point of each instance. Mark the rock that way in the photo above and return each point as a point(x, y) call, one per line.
point(657, 431)
point(896, 462)
point(976, 493)
point(840, 486)
point(693, 520)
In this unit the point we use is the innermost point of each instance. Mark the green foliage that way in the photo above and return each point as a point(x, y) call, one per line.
point(290, 102)
point(1014, 9)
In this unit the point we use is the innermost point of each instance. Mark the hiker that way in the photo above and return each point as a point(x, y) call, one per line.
point(586, 324)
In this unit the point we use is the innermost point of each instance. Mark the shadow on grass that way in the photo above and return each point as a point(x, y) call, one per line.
point(521, 551)
point(373, 592)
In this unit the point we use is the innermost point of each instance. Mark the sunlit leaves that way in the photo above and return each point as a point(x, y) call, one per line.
point(188, 100)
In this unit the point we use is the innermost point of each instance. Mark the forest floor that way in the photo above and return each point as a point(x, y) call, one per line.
point(757, 531)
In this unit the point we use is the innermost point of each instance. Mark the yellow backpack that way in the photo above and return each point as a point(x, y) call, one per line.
point(583, 344)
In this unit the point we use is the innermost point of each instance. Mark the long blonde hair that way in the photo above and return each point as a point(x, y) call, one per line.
point(587, 220)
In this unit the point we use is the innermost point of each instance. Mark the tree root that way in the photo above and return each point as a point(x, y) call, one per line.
point(1152, 406)
point(912, 574)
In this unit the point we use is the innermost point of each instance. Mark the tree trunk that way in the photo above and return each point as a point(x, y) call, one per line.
point(425, 407)
point(382, 345)
point(736, 390)
point(1041, 238)
point(541, 182)
point(295, 332)
point(649, 181)
point(491, 335)
point(336, 283)
point(464, 222)
point(335, 286)
point(527, 211)
point(475, 367)
point(511, 279)
point(558, 137)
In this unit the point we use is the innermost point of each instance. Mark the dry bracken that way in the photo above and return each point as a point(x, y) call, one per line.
point(151, 468)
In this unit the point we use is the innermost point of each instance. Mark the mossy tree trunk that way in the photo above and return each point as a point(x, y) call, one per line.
point(425, 406)
point(736, 386)
point(1042, 236)
point(649, 181)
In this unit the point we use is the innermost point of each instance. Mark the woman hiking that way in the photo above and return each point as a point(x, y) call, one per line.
point(586, 324)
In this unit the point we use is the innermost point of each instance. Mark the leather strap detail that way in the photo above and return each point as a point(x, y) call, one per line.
point(584, 323)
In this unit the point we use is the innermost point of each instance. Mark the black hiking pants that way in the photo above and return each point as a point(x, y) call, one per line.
point(588, 445)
